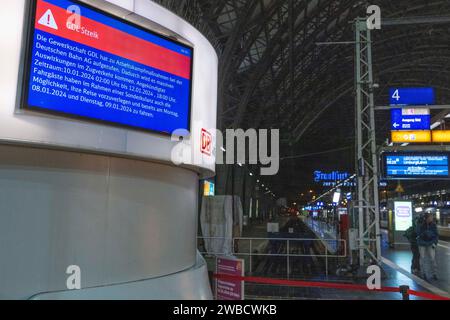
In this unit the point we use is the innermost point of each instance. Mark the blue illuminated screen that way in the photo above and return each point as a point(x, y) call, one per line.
point(94, 66)
point(417, 166)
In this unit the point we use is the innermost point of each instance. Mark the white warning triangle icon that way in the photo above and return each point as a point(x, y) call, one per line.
point(48, 20)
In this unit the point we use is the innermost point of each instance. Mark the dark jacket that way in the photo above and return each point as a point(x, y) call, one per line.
point(427, 234)
point(411, 234)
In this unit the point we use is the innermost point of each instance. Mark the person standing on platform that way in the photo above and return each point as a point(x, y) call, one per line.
point(411, 235)
point(427, 239)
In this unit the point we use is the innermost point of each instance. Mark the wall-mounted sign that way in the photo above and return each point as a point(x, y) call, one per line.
point(349, 184)
point(412, 96)
point(441, 136)
point(410, 119)
point(93, 65)
point(403, 215)
point(230, 289)
point(326, 177)
point(206, 142)
point(312, 208)
point(208, 189)
point(415, 165)
point(411, 136)
point(273, 227)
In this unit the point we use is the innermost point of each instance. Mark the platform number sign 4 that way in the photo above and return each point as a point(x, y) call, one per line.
point(412, 96)
point(396, 95)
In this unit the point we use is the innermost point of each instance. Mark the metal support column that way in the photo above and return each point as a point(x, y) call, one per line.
point(367, 161)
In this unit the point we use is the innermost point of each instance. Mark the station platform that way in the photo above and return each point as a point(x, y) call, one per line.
point(271, 275)
point(397, 265)
point(444, 233)
point(324, 231)
point(400, 259)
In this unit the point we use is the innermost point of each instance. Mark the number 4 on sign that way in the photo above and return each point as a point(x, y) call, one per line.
point(396, 95)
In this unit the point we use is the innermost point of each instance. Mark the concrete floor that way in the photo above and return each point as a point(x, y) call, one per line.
point(401, 257)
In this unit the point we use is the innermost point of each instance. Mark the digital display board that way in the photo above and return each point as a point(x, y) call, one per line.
point(85, 63)
point(416, 165)
point(403, 215)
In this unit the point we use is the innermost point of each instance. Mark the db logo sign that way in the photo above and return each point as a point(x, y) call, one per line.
point(206, 143)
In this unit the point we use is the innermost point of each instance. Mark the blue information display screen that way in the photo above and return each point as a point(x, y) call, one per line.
point(412, 96)
point(404, 119)
point(85, 63)
point(416, 166)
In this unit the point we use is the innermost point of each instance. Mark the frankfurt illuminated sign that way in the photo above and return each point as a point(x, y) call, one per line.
point(334, 176)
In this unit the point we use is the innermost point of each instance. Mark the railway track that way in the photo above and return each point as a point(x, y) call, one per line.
point(305, 266)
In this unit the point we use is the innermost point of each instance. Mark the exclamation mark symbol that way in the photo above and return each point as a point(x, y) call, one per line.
point(48, 20)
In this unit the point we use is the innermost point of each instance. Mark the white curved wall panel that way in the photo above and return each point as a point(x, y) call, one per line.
point(120, 220)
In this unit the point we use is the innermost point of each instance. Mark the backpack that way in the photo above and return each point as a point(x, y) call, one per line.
point(410, 234)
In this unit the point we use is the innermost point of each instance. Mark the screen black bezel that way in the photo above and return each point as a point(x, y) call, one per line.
point(384, 166)
point(27, 61)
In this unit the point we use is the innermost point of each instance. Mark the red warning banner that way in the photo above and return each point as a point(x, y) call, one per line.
point(54, 20)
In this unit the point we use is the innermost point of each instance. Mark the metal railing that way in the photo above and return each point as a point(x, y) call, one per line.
point(265, 246)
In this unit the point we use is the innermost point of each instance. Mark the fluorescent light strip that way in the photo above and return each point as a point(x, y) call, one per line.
point(435, 125)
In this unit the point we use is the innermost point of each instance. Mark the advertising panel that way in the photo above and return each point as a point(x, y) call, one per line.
point(403, 215)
